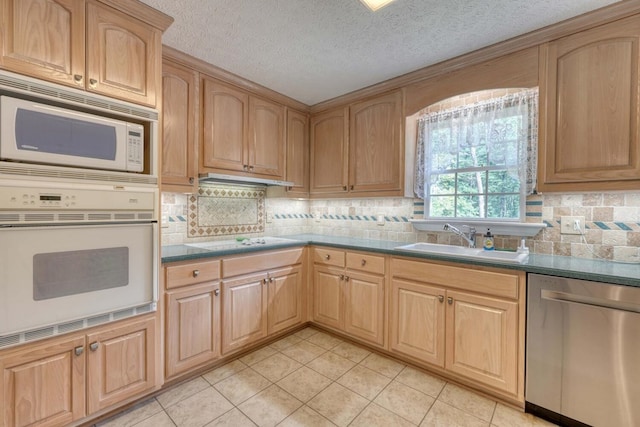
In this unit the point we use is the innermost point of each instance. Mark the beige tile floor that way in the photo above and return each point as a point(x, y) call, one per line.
point(311, 378)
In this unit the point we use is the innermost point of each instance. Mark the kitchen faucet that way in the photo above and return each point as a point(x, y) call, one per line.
point(469, 237)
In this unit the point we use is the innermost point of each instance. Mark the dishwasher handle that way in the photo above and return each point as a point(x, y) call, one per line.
point(590, 301)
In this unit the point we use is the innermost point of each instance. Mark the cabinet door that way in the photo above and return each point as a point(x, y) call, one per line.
point(376, 148)
point(244, 302)
point(124, 55)
point(45, 39)
point(225, 113)
point(120, 363)
point(193, 325)
point(179, 127)
point(330, 151)
point(266, 138)
point(328, 296)
point(284, 299)
point(589, 109)
point(482, 339)
point(297, 153)
point(416, 321)
point(43, 385)
point(364, 308)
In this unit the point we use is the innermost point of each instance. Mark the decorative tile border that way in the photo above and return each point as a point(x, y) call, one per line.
point(216, 211)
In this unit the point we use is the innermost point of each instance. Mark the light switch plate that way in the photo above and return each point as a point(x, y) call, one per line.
point(568, 225)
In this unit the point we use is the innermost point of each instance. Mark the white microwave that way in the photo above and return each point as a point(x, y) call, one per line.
point(32, 132)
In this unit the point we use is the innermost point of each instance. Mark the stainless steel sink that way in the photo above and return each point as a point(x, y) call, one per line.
point(463, 252)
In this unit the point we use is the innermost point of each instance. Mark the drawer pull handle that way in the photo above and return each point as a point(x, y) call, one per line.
point(78, 350)
point(441, 298)
point(196, 273)
point(450, 300)
point(364, 262)
point(94, 346)
point(327, 257)
point(216, 292)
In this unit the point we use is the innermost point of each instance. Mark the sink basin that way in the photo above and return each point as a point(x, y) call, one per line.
point(462, 252)
point(232, 244)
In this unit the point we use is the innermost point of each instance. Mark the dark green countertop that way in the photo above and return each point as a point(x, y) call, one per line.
point(577, 268)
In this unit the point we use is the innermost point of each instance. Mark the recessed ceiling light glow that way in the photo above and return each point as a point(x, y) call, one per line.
point(376, 4)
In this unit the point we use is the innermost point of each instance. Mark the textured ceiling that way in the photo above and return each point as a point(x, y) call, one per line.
point(314, 50)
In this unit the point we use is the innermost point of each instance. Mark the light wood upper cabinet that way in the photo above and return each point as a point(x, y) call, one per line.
point(241, 132)
point(120, 363)
point(589, 109)
point(376, 148)
point(297, 153)
point(329, 152)
point(266, 138)
point(225, 121)
point(45, 39)
point(180, 107)
point(359, 150)
point(124, 55)
point(85, 44)
point(43, 384)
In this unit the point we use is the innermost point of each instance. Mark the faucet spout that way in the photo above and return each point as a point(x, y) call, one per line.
point(469, 237)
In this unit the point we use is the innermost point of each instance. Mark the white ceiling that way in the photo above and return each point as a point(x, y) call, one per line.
point(314, 50)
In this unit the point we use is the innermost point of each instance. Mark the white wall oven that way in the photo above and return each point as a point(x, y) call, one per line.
point(74, 256)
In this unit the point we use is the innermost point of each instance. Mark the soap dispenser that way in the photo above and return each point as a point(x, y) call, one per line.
point(487, 240)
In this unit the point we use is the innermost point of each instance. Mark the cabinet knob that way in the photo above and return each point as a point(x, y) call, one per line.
point(196, 273)
point(264, 281)
point(364, 262)
point(342, 277)
point(441, 298)
point(344, 188)
point(94, 346)
point(346, 278)
point(270, 279)
point(93, 83)
point(245, 167)
point(251, 167)
point(191, 180)
point(450, 300)
point(77, 78)
point(78, 350)
point(327, 257)
point(351, 187)
point(216, 292)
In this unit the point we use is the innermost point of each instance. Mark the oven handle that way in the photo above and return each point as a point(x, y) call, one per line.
point(590, 301)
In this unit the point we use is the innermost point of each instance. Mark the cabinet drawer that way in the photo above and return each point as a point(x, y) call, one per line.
point(364, 262)
point(261, 261)
point(189, 273)
point(491, 282)
point(328, 256)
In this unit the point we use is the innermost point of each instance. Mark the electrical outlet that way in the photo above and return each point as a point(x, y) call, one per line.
point(571, 224)
point(380, 219)
point(269, 217)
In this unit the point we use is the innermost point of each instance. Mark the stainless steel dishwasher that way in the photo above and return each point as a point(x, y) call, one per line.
point(583, 351)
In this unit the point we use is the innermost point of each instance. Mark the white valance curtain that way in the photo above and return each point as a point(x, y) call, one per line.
point(462, 122)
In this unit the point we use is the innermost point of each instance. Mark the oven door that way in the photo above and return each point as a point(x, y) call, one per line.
point(51, 275)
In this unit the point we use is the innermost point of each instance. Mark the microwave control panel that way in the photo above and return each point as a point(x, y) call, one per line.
point(30, 198)
point(135, 147)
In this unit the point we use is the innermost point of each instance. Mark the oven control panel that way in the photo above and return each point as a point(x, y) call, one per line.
point(17, 198)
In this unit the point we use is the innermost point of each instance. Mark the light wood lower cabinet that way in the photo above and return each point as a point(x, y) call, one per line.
point(261, 295)
point(349, 292)
point(44, 384)
point(192, 321)
point(120, 363)
point(64, 379)
point(466, 321)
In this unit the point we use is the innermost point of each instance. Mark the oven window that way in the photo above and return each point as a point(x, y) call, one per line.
point(59, 274)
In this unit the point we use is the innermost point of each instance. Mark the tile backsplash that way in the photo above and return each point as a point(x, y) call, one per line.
point(612, 222)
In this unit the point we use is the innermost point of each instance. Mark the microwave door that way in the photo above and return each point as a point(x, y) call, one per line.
point(39, 133)
point(51, 275)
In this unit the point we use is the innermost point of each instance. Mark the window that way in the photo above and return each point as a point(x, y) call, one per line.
point(478, 161)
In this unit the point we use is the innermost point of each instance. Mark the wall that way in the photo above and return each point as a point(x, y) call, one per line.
point(612, 221)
